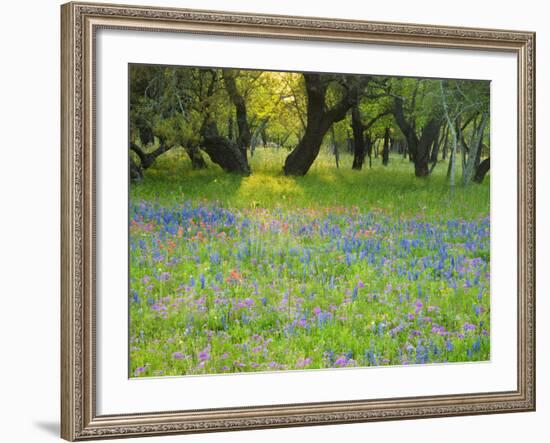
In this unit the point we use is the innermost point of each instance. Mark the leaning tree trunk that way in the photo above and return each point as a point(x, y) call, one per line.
point(386, 148)
point(148, 158)
point(482, 170)
point(302, 157)
point(223, 151)
point(319, 121)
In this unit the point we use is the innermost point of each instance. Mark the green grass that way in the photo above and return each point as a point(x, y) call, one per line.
point(393, 189)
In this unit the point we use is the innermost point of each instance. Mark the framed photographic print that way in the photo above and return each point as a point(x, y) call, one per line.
point(282, 221)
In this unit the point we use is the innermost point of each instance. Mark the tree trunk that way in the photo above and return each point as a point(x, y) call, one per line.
point(421, 158)
point(435, 148)
point(449, 166)
point(335, 147)
point(368, 146)
point(475, 150)
point(244, 135)
point(358, 139)
point(452, 171)
point(482, 170)
point(223, 151)
point(148, 158)
point(478, 155)
point(386, 149)
point(435, 151)
point(304, 154)
point(419, 148)
point(319, 121)
point(197, 160)
point(136, 173)
point(445, 143)
point(454, 135)
point(230, 132)
point(145, 131)
point(258, 134)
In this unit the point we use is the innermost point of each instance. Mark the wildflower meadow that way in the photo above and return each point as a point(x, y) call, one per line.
point(268, 273)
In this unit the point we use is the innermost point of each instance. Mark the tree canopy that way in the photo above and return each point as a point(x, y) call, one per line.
point(223, 115)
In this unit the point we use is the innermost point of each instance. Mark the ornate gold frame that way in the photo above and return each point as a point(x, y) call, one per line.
point(79, 21)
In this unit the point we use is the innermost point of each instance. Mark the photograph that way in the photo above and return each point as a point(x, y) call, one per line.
point(294, 218)
point(283, 221)
point(275, 221)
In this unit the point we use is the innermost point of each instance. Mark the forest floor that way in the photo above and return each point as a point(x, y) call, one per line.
point(338, 268)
